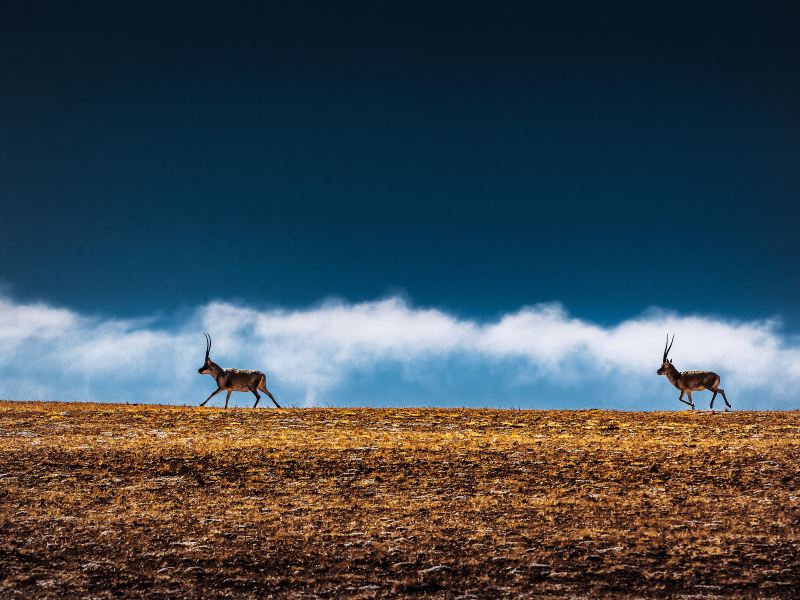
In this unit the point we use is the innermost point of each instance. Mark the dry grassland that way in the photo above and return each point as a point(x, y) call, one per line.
point(155, 501)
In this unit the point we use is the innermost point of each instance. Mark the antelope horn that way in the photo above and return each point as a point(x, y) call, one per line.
point(668, 345)
point(208, 344)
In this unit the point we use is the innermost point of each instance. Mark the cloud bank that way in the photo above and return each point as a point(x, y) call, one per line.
point(369, 353)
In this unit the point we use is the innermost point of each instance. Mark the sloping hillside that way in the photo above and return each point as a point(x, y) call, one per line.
point(144, 501)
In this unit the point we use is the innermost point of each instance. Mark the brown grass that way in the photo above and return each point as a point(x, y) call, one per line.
point(109, 500)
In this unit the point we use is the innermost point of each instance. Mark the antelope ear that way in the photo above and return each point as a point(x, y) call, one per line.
point(670, 361)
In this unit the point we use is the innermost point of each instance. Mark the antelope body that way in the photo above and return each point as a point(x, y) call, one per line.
point(234, 380)
point(690, 381)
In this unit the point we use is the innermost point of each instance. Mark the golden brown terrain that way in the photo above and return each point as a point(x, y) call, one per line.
point(138, 501)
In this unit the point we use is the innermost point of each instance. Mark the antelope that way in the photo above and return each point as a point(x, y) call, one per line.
point(234, 380)
point(690, 381)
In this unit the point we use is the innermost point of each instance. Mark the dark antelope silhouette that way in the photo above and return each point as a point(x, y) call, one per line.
point(690, 381)
point(234, 380)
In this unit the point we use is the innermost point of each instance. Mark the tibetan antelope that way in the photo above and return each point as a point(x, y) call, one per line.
point(234, 380)
point(690, 381)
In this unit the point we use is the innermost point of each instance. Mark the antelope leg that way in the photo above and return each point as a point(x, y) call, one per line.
point(227, 397)
point(267, 392)
point(214, 393)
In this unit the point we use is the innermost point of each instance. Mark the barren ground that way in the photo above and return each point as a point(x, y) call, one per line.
point(138, 501)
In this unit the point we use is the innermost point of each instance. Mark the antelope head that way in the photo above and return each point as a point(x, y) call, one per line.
point(666, 363)
point(206, 368)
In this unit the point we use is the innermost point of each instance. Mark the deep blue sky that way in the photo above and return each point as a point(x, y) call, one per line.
point(476, 157)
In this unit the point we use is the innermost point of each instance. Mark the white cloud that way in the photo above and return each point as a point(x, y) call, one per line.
point(543, 333)
point(56, 353)
point(21, 322)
